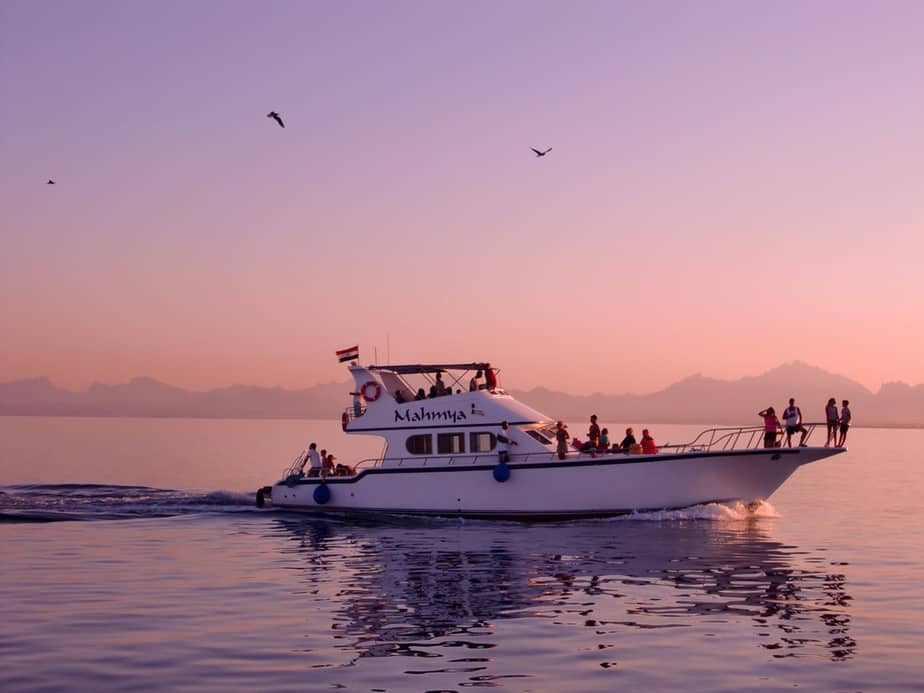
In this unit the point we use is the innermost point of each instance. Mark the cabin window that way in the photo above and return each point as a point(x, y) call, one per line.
point(481, 442)
point(538, 436)
point(450, 443)
point(420, 445)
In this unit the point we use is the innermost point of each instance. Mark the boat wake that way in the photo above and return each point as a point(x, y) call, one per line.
point(62, 502)
point(717, 512)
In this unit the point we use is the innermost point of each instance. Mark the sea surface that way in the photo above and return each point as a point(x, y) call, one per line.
point(132, 558)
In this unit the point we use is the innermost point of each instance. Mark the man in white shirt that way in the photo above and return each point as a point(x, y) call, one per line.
point(792, 415)
point(314, 460)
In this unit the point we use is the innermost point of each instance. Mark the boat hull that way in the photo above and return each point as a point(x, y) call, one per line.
point(585, 487)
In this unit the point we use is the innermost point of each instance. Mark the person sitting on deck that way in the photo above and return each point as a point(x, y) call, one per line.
point(420, 394)
point(475, 383)
point(327, 465)
point(490, 378)
point(440, 386)
point(604, 444)
point(341, 469)
point(628, 441)
point(584, 446)
point(399, 396)
point(649, 447)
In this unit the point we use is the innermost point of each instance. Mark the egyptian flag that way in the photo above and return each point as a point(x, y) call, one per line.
point(351, 354)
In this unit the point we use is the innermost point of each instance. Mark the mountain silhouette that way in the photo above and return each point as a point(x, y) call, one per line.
point(696, 399)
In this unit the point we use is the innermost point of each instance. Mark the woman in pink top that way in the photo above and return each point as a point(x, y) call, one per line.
point(772, 427)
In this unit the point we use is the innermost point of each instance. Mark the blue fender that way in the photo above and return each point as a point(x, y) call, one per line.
point(321, 494)
point(501, 472)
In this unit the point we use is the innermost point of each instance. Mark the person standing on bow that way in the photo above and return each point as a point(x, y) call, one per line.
point(792, 415)
point(772, 426)
point(845, 423)
point(832, 421)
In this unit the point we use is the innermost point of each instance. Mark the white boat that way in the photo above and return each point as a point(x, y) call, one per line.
point(441, 458)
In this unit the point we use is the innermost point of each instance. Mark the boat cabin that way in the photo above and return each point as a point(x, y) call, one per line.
point(441, 413)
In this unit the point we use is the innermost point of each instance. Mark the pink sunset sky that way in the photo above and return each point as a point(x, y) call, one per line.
point(732, 185)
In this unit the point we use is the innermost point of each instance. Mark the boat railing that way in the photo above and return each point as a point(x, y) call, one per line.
point(295, 469)
point(710, 440)
point(353, 412)
point(430, 460)
point(736, 438)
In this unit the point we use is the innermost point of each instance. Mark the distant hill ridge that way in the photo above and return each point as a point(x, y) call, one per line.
point(696, 399)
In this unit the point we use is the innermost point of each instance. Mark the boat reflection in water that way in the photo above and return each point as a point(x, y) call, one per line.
point(414, 587)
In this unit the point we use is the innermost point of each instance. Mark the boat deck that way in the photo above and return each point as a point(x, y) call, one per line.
point(728, 440)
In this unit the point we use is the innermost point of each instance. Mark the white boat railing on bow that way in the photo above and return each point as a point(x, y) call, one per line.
point(734, 438)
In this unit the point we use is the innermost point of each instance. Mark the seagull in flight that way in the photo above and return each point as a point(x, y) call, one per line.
point(275, 116)
point(538, 153)
point(50, 182)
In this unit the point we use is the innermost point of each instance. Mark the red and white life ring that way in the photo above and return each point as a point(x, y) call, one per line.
point(371, 391)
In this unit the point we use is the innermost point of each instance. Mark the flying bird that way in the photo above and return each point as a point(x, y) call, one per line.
point(50, 182)
point(538, 153)
point(275, 116)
